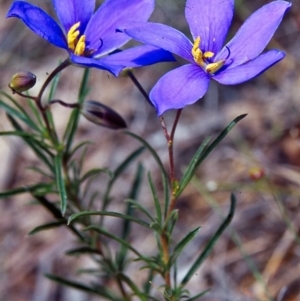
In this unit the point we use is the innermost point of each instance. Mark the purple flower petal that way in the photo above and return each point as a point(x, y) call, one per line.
point(209, 20)
point(178, 88)
point(71, 12)
point(242, 73)
point(93, 63)
point(255, 33)
point(112, 14)
point(161, 36)
point(139, 56)
point(39, 22)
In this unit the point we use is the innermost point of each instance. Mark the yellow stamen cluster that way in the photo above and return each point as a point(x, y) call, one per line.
point(75, 44)
point(198, 54)
point(200, 58)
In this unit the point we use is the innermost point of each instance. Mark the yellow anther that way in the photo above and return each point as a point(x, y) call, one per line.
point(208, 55)
point(76, 43)
point(197, 53)
point(195, 49)
point(80, 47)
point(201, 58)
point(72, 36)
point(214, 67)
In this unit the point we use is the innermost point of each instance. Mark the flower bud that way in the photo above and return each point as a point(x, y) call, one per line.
point(22, 81)
point(102, 115)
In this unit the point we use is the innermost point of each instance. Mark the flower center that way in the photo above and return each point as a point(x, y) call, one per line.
point(201, 59)
point(76, 43)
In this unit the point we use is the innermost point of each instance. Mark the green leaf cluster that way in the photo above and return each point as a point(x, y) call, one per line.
point(66, 193)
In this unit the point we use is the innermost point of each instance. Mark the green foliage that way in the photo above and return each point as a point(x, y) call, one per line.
point(202, 153)
point(207, 250)
point(66, 194)
point(60, 183)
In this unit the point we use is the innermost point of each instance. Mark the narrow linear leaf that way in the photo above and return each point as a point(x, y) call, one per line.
point(74, 118)
point(151, 150)
point(141, 208)
point(147, 284)
point(192, 167)
point(81, 159)
point(32, 106)
point(195, 298)
point(117, 172)
point(54, 85)
point(16, 103)
point(159, 163)
point(95, 172)
point(108, 213)
point(87, 190)
point(82, 287)
point(83, 250)
point(95, 272)
point(142, 296)
point(92, 199)
point(16, 133)
point(118, 239)
point(36, 147)
point(60, 183)
point(206, 252)
point(57, 214)
point(202, 154)
point(135, 188)
point(182, 244)
point(47, 226)
point(253, 268)
point(77, 147)
point(121, 168)
point(36, 112)
point(171, 220)
point(19, 115)
point(133, 194)
point(156, 201)
point(40, 144)
point(31, 189)
point(42, 172)
point(175, 276)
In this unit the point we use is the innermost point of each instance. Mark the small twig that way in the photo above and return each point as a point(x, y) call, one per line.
point(74, 105)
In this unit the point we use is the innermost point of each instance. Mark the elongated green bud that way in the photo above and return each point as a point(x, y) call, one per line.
point(22, 81)
point(102, 115)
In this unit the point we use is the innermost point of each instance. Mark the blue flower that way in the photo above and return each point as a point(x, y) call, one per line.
point(88, 36)
point(236, 62)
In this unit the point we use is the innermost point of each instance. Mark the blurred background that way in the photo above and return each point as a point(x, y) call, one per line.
point(259, 160)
